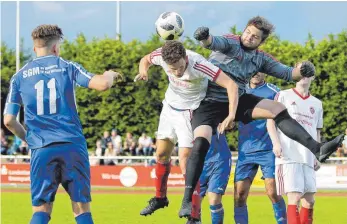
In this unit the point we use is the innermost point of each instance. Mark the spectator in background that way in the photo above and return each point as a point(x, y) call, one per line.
point(116, 141)
point(129, 146)
point(93, 162)
point(98, 152)
point(144, 147)
point(110, 152)
point(105, 139)
point(154, 141)
point(342, 150)
point(4, 142)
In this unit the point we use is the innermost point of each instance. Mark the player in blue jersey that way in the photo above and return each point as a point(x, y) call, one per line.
point(215, 177)
point(255, 149)
point(45, 86)
point(239, 57)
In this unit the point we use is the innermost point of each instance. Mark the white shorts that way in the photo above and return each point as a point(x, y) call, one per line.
point(176, 125)
point(295, 177)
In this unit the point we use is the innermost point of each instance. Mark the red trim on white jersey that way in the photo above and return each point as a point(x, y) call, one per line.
point(155, 54)
point(301, 96)
point(280, 180)
point(206, 70)
point(276, 97)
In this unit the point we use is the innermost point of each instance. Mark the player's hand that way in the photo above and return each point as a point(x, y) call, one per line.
point(317, 165)
point(228, 122)
point(231, 126)
point(307, 69)
point(141, 76)
point(202, 33)
point(277, 150)
point(118, 77)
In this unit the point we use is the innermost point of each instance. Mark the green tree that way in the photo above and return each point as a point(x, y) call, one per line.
point(8, 69)
point(135, 107)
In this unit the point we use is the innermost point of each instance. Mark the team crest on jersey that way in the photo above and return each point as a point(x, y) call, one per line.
point(312, 110)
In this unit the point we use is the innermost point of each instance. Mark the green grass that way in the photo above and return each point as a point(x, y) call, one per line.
point(125, 208)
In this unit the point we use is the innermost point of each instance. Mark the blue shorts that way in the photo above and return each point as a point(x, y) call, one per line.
point(61, 163)
point(215, 177)
point(247, 165)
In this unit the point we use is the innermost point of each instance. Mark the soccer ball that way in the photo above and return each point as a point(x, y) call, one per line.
point(169, 25)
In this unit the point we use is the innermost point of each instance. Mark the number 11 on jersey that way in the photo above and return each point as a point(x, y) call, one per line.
point(39, 86)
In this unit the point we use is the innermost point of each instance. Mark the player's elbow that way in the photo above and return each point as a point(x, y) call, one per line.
point(231, 85)
point(9, 121)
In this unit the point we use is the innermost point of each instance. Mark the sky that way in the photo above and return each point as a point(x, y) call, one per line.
point(293, 20)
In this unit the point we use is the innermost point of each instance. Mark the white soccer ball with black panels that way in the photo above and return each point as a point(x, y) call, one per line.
point(169, 25)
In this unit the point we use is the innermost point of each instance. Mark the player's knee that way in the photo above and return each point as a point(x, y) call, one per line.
point(308, 202)
point(46, 207)
point(200, 144)
point(277, 109)
point(214, 199)
point(294, 198)
point(163, 157)
point(80, 208)
point(272, 194)
point(241, 197)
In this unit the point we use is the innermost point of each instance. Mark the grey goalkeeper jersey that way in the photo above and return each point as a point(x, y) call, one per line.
point(241, 65)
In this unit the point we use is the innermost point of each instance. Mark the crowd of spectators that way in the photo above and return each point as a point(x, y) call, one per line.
point(113, 144)
point(110, 145)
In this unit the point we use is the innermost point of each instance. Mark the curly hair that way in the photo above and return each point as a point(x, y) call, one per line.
point(173, 51)
point(262, 24)
point(46, 34)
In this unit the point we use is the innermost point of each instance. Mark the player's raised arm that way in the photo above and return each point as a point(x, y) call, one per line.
point(105, 81)
point(275, 68)
point(147, 61)
point(144, 65)
point(215, 43)
point(89, 80)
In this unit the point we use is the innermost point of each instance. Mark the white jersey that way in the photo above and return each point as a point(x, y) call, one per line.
point(189, 90)
point(308, 112)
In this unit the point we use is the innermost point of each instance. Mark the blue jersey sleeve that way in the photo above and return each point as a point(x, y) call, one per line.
point(227, 43)
point(274, 90)
point(275, 68)
point(14, 100)
point(81, 76)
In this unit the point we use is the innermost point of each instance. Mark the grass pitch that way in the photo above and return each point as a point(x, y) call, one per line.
point(124, 207)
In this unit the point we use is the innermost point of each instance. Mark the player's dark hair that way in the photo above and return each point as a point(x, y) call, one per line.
point(173, 51)
point(262, 24)
point(46, 34)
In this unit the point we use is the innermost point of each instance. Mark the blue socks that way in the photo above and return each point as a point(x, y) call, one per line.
point(40, 218)
point(85, 218)
point(280, 212)
point(241, 215)
point(217, 213)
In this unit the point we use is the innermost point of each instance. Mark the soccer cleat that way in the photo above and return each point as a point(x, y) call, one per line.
point(193, 221)
point(328, 148)
point(154, 204)
point(186, 210)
